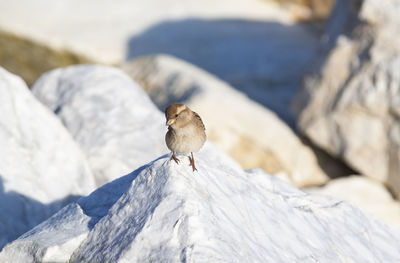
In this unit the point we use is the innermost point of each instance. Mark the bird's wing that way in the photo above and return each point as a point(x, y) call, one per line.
point(198, 119)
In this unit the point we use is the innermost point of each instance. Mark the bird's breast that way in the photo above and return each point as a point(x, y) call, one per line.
point(185, 140)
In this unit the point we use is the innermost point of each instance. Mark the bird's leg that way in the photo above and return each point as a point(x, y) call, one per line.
point(173, 157)
point(192, 163)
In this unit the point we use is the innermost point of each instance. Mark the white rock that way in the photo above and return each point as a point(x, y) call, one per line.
point(351, 107)
point(163, 212)
point(41, 167)
point(250, 133)
point(111, 118)
point(369, 195)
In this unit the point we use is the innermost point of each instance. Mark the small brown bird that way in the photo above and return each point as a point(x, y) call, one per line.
point(186, 131)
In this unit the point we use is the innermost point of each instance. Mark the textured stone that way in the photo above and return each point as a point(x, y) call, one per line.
point(350, 106)
point(162, 212)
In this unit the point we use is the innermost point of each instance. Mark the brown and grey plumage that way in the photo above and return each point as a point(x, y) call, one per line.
point(186, 131)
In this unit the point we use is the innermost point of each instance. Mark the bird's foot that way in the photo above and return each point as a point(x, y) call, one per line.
point(191, 159)
point(173, 157)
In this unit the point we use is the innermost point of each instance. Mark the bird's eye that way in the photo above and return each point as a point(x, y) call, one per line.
point(176, 115)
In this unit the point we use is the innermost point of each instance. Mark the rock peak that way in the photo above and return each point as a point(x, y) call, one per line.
point(163, 212)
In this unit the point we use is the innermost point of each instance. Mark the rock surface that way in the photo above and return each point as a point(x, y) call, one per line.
point(351, 106)
point(163, 212)
point(251, 134)
point(369, 195)
point(112, 119)
point(41, 167)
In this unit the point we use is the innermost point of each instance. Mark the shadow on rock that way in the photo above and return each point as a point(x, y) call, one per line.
point(98, 203)
point(263, 59)
point(20, 213)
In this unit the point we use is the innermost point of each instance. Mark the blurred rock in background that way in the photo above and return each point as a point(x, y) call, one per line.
point(350, 106)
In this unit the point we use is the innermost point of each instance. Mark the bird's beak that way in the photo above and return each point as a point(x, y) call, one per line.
point(170, 122)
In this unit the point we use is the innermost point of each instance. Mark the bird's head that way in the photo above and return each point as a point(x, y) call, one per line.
point(177, 115)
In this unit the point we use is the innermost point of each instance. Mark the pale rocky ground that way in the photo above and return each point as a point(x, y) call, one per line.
point(99, 107)
point(163, 212)
point(351, 106)
point(41, 167)
point(250, 133)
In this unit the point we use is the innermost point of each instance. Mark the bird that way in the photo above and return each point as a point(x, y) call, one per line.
point(186, 132)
